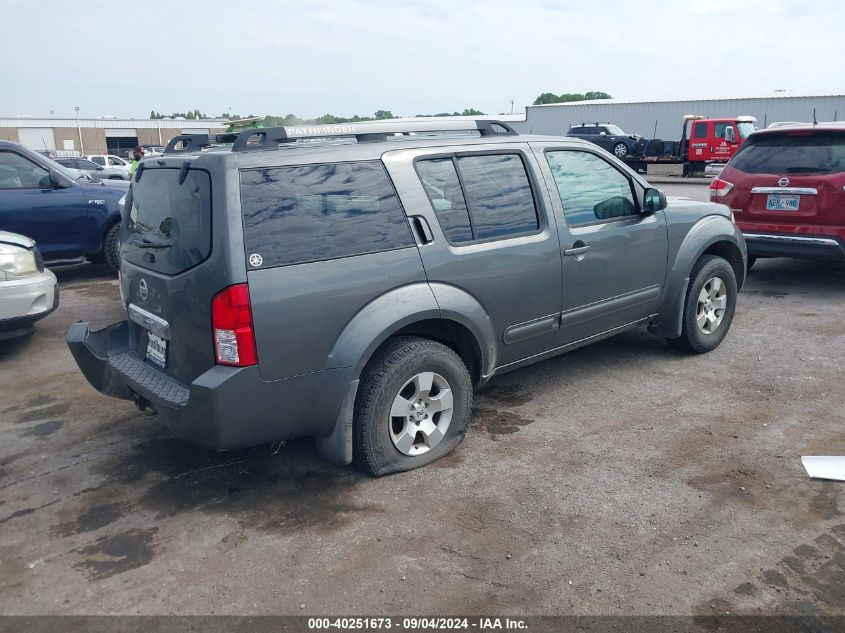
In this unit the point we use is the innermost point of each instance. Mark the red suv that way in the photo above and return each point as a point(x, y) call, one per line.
point(786, 188)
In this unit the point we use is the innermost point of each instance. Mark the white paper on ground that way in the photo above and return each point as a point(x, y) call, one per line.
point(825, 467)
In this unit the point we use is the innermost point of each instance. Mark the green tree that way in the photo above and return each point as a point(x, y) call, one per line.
point(568, 97)
point(384, 114)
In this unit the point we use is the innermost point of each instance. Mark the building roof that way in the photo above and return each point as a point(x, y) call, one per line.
point(112, 123)
point(776, 95)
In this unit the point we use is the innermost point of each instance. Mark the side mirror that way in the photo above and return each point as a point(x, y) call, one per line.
point(730, 135)
point(654, 200)
point(57, 180)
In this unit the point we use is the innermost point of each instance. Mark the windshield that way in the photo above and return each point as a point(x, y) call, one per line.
point(168, 225)
point(615, 130)
point(745, 128)
point(792, 153)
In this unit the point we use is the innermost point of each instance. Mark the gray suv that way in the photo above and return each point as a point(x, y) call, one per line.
point(354, 283)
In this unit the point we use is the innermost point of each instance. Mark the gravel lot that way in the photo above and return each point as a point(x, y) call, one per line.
point(623, 478)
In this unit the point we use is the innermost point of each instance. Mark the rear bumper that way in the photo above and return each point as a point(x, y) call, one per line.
point(224, 408)
point(799, 246)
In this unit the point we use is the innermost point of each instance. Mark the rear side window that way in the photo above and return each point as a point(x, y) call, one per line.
point(481, 197)
point(168, 225)
point(699, 130)
point(294, 215)
point(795, 153)
point(100, 160)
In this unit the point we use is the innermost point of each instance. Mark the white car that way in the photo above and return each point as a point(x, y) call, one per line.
point(109, 160)
point(28, 291)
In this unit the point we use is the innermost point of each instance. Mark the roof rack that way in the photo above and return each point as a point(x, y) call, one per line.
point(259, 139)
point(367, 132)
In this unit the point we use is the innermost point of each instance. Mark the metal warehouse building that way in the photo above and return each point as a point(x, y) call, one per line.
point(100, 136)
point(664, 119)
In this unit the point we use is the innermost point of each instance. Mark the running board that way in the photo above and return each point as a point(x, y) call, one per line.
point(71, 261)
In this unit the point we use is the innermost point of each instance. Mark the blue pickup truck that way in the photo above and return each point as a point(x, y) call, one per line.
point(70, 219)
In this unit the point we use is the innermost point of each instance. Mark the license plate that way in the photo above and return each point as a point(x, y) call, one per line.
point(778, 202)
point(156, 350)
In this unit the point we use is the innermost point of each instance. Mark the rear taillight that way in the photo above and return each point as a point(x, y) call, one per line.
point(231, 318)
point(720, 188)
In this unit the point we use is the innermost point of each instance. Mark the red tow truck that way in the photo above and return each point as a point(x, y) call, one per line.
point(706, 145)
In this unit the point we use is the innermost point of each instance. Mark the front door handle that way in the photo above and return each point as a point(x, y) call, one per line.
point(578, 248)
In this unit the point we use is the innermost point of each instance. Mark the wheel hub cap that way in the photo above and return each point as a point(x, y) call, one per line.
point(421, 413)
point(712, 303)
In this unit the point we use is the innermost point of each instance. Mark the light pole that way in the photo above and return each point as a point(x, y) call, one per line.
point(79, 129)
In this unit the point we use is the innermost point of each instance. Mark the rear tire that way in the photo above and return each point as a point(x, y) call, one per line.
point(413, 406)
point(705, 323)
point(111, 248)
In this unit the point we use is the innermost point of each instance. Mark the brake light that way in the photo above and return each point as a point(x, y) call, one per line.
point(720, 188)
point(231, 318)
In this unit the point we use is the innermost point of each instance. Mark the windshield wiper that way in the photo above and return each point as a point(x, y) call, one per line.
point(806, 170)
point(145, 243)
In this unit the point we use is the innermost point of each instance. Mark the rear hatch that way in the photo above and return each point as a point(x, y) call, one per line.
point(167, 277)
point(789, 176)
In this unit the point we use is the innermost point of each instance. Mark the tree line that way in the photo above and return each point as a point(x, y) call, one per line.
point(567, 97)
point(292, 119)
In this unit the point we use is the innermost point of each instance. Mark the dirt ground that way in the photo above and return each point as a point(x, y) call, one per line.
point(623, 478)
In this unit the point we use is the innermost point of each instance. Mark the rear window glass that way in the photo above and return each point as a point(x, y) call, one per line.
point(795, 153)
point(294, 215)
point(168, 225)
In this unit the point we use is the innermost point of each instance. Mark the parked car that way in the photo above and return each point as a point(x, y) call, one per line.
point(357, 292)
point(109, 160)
point(96, 171)
point(70, 219)
point(609, 137)
point(28, 291)
point(149, 150)
point(786, 188)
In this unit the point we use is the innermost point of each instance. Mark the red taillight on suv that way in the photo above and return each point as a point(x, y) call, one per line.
point(720, 188)
point(231, 318)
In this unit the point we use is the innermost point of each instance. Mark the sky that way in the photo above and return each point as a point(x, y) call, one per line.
point(124, 58)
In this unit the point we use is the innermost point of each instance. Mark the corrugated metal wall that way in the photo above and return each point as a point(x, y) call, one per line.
point(667, 116)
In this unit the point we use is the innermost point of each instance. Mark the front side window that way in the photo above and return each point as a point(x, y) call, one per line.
point(481, 197)
point(307, 213)
point(16, 172)
point(591, 189)
point(719, 129)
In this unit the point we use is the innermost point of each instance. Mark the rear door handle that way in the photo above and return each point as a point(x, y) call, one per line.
point(422, 229)
point(579, 248)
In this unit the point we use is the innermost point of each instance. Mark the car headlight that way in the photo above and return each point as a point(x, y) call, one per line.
point(16, 261)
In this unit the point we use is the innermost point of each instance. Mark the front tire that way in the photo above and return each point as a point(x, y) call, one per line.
point(111, 248)
point(413, 406)
point(709, 305)
point(620, 150)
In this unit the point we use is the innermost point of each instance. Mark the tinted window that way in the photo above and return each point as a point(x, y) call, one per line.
point(590, 188)
point(168, 225)
point(86, 164)
point(16, 172)
point(100, 160)
point(700, 130)
point(498, 195)
point(796, 153)
point(719, 129)
point(309, 213)
point(576, 130)
point(440, 181)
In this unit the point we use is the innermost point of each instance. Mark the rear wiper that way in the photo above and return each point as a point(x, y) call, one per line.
point(807, 170)
point(145, 243)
